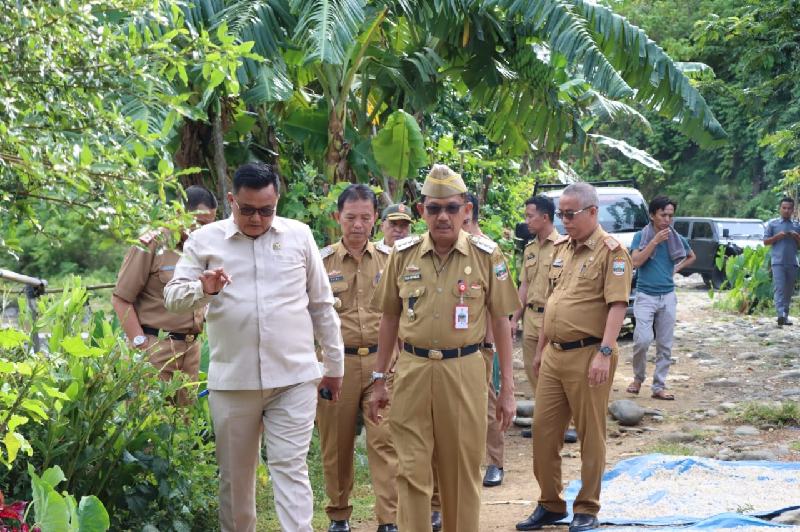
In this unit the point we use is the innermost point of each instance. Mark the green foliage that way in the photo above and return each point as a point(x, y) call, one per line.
point(56, 513)
point(97, 410)
point(748, 279)
point(399, 148)
point(672, 449)
point(781, 414)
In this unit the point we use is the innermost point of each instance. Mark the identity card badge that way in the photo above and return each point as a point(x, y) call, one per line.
point(462, 311)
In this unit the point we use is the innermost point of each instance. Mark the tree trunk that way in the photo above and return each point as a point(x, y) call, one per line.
point(218, 157)
point(336, 166)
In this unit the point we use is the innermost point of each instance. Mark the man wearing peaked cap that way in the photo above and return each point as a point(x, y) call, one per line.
point(395, 223)
point(439, 291)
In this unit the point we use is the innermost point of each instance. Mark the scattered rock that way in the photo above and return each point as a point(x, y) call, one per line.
point(701, 355)
point(523, 421)
point(746, 430)
point(755, 455)
point(791, 392)
point(525, 408)
point(723, 382)
point(791, 517)
point(747, 355)
point(658, 419)
point(791, 375)
point(679, 437)
point(518, 364)
point(626, 412)
point(719, 440)
point(727, 407)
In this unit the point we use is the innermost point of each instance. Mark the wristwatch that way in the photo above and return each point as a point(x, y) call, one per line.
point(378, 376)
point(605, 350)
point(139, 340)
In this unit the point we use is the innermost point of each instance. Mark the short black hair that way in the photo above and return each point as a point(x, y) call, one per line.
point(476, 205)
point(660, 202)
point(357, 192)
point(256, 176)
point(787, 199)
point(197, 195)
point(543, 204)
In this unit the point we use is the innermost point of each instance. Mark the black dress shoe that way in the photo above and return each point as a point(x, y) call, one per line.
point(389, 527)
point(570, 436)
point(582, 522)
point(493, 476)
point(540, 517)
point(339, 526)
point(436, 521)
point(526, 433)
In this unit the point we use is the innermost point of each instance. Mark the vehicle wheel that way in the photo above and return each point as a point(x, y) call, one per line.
point(717, 278)
point(706, 280)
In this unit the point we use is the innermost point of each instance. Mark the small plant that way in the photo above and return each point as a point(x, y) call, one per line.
point(748, 280)
point(778, 414)
point(795, 446)
point(673, 449)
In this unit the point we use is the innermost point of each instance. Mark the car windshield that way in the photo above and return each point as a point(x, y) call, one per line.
point(619, 213)
point(742, 230)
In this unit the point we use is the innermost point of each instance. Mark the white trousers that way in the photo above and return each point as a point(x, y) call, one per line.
point(288, 421)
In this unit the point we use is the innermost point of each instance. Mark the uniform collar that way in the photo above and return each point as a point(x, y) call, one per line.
point(462, 243)
point(341, 249)
point(554, 235)
point(592, 242)
point(231, 229)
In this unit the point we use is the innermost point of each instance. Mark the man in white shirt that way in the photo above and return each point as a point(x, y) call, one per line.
point(268, 296)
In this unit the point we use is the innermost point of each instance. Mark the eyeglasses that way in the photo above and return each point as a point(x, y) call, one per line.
point(569, 215)
point(435, 209)
point(264, 212)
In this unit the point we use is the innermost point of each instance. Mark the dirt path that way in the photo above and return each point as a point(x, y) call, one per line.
point(720, 360)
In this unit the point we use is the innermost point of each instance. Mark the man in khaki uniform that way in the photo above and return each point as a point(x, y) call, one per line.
point(576, 357)
point(354, 266)
point(138, 300)
point(438, 290)
point(395, 224)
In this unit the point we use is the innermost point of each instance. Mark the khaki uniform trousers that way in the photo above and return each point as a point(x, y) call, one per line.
point(563, 392)
point(287, 415)
point(337, 430)
point(494, 435)
point(169, 356)
point(438, 407)
point(531, 325)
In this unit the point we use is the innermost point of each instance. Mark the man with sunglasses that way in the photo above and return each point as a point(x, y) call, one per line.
point(576, 356)
point(439, 291)
point(268, 296)
point(354, 266)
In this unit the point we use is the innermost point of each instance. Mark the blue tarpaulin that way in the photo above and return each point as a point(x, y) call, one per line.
point(683, 514)
point(718, 522)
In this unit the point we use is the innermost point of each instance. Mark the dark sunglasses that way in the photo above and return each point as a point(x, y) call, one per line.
point(569, 215)
point(265, 212)
point(434, 209)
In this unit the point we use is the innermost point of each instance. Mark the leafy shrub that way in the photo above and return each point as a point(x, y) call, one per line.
point(749, 280)
point(782, 414)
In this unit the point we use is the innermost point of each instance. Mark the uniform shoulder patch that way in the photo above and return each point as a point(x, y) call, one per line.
point(562, 239)
point(483, 243)
point(327, 251)
point(532, 242)
point(407, 242)
point(383, 248)
point(611, 243)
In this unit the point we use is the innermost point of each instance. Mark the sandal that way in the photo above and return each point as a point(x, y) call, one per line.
point(634, 387)
point(663, 395)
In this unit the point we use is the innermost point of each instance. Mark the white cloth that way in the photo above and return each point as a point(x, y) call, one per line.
point(288, 416)
point(260, 325)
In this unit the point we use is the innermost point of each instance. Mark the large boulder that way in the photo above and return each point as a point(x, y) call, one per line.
point(626, 412)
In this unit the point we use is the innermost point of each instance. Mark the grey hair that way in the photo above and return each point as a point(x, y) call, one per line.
point(586, 194)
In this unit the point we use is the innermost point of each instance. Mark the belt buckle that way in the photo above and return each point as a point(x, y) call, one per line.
point(557, 346)
point(362, 351)
point(190, 338)
point(435, 354)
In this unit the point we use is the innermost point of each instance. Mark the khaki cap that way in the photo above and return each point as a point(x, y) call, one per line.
point(396, 211)
point(442, 182)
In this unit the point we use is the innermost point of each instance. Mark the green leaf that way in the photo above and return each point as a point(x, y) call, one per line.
point(92, 515)
point(13, 442)
point(399, 148)
point(634, 154)
point(327, 29)
point(75, 346)
point(50, 508)
point(86, 156)
point(12, 338)
point(217, 77)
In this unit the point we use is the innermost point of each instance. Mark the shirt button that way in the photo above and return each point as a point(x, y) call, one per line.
point(359, 290)
point(439, 289)
point(436, 315)
point(436, 342)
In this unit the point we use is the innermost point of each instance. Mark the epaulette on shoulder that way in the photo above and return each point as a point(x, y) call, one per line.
point(530, 243)
point(611, 243)
point(407, 242)
point(151, 236)
point(483, 243)
point(327, 251)
point(562, 239)
point(383, 248)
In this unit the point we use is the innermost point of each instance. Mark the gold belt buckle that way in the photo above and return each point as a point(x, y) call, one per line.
point(557, 346)
point(435, 354)
point(189, 338)
point(363, 351)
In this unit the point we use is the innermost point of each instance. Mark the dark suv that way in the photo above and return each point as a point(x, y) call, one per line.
point(706, 235)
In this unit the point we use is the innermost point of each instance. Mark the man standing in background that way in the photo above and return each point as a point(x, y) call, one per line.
point(395, 224)
point(783, 234)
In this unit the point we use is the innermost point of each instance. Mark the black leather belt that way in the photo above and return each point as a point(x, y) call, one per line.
point(535, 309)
point(182, 337)
point(361, 351)
point(438, 354)
point(487, 345)
point(566, 346)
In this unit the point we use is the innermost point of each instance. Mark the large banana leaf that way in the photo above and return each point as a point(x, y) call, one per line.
point(327, 29)
point(632, 153)
point(398, 147)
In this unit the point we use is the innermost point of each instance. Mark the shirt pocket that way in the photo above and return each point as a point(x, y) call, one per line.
point(474, 295)
point(412, 295)
point(165, 273)
point(587, 276)
point(339, 289)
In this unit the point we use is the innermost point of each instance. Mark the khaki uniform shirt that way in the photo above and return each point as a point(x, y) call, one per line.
point(261, 327)
point(538, 257)
point(141, 281)
point(410, 282)
point(353, 284)
point(586, 278)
